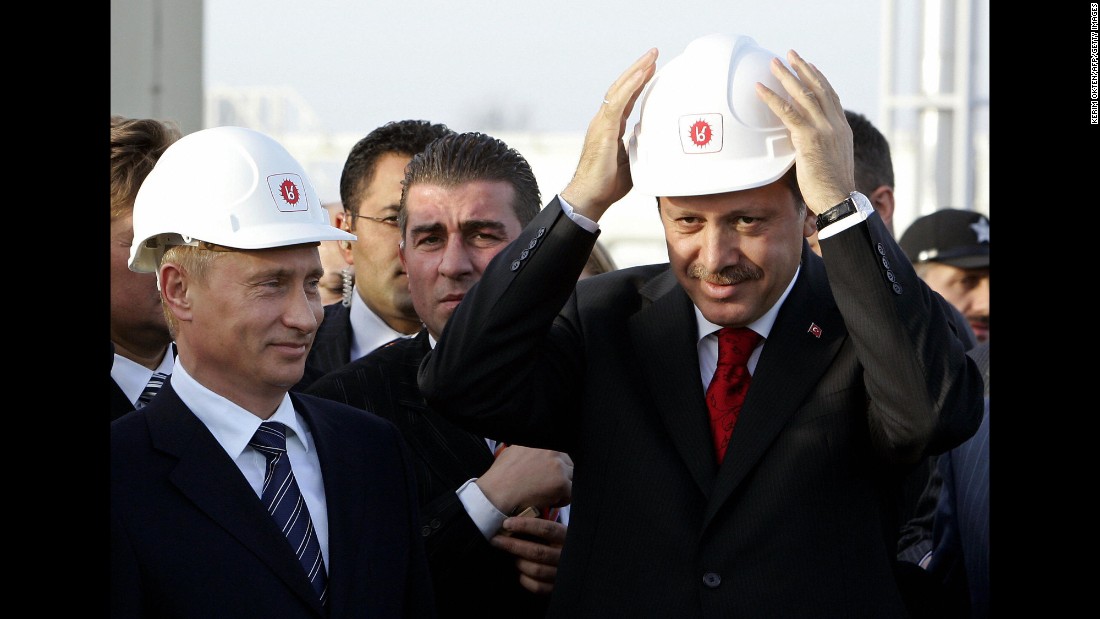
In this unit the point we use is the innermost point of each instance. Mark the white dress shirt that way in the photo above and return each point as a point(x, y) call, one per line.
point(368, 330)
point(234, 427)
point(132, 377)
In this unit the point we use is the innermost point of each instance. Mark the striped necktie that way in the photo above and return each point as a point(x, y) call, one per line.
point(151, 389)
point(282, 497)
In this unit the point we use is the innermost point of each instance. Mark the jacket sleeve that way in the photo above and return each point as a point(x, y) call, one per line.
point(502, 346)
point(925, 393)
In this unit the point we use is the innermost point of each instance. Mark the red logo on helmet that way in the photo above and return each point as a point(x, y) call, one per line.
point(701, 133)
point(289, 191)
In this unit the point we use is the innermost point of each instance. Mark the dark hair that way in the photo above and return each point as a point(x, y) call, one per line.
point(463, 157)
point(790, 179)
point(874, 168)
point(405, 137)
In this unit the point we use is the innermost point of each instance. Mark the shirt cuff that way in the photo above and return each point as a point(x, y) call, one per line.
point(925, 560)
point(577, 218)
point(863, 211)
point(487, 517)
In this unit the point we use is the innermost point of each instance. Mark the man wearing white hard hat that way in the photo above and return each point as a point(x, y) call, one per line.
point(739, 418)
point(231, 497)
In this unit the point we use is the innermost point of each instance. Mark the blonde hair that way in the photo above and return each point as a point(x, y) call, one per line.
point(195, 262)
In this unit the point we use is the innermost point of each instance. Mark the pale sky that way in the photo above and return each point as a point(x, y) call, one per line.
point(520, 67)
point(509, 65)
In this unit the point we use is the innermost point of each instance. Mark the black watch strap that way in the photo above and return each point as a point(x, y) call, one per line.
point(838, 212)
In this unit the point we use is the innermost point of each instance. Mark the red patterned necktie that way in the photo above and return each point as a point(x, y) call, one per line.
point(727, 389)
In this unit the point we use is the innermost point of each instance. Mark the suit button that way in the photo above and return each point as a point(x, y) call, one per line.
point(897, 288)
point(890, 276)
point(886, 262)
point(434, 523)
point(425, 531)
point(712, 580)
point(523, 254)
point(515, 264)
point(532, 244)
point(881, 249)
point(540, 233)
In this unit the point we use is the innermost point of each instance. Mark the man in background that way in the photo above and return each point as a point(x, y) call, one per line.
point(141, 346)
point(950, 251)
point(466, 197)
point(332, 259)
point(378, 308)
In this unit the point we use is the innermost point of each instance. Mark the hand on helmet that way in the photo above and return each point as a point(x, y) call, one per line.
point(819, 131)
point(603, 173)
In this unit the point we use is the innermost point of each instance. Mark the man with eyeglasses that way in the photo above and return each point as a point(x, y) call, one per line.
point(378, 309)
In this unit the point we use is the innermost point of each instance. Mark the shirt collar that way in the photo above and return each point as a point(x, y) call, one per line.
point(368, 329)
point(132, 377)
point(231, 425)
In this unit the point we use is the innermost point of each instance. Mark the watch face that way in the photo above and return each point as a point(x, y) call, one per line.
point(860, 202)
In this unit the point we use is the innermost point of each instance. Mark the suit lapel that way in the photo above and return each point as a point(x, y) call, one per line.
point(794, 358)
point(340, 350)
point(207, 476)
point(670, 362)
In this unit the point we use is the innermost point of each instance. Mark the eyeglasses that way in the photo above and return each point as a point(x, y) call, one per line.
point(390, 220)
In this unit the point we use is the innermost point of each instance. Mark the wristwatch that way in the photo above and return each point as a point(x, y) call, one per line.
point(840, 211)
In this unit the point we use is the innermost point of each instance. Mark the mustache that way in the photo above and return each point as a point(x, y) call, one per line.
point(728, 276)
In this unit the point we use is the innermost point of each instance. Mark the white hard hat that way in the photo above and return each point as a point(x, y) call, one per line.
point(229, 186)
point(702, 128)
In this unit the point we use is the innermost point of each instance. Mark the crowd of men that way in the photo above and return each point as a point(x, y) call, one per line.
point(440, 396)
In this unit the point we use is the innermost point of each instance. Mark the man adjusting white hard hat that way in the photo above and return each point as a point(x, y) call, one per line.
point(227, 186)
point(702, 128)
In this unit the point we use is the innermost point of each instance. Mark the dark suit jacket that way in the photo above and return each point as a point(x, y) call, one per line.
point(331, 348)
point(120, 404)
point(470, 576)
point(795, 521)
point(960, 527)
point(190, 537)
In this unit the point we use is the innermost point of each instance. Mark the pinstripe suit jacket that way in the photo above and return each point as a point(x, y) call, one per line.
point(190, 538)
point(331, 348)
point(960, 527)
point(796, 522)
point(468, 574)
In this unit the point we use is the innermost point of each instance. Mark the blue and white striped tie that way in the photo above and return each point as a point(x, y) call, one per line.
point(151, 389)
point(282, 497)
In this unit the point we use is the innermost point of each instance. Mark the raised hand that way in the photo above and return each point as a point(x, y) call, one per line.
point(602, 176)
point(819, 131)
